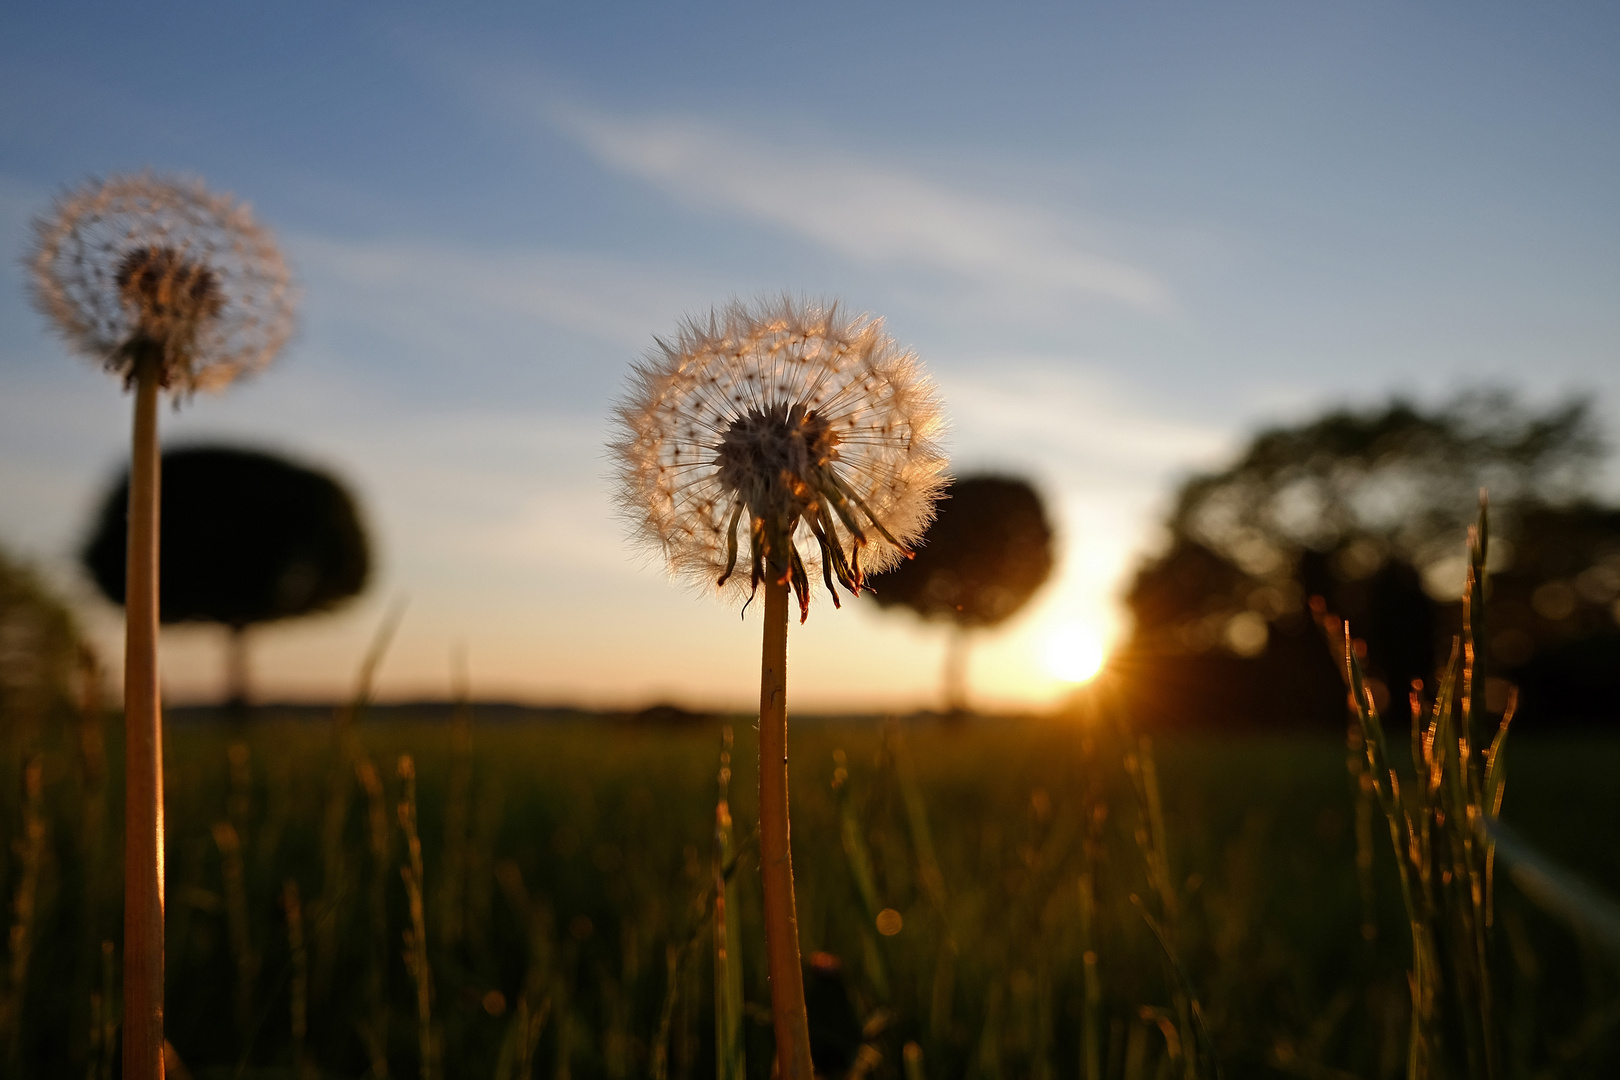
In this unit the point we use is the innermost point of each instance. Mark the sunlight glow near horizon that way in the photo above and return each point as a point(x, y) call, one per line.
point(1075, 652)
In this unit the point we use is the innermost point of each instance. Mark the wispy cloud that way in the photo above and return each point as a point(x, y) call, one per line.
point(421, 287)
point(863, 210)
point(1050, 410)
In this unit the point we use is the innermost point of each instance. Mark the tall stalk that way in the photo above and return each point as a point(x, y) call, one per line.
point(776, 855)
point(809, 424)
point(143, 749)
point(168, 286)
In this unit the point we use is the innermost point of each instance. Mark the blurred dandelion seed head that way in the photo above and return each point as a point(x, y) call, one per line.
point(147, 266)
point(807, 428)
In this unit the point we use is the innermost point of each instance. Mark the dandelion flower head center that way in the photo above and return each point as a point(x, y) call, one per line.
point(168, 296)
point(775, 460)
point(138, 270)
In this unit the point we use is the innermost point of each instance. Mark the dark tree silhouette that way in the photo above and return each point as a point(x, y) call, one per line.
point(1369, 511)
point(247, 538)
point(1555, 612)
point(987, 551)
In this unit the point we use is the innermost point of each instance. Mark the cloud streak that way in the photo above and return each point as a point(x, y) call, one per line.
point(865, 212)
point(416, 288)
point(1050, 410)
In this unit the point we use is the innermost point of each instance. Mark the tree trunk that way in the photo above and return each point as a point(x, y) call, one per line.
point(955, 675)
point(236, 672)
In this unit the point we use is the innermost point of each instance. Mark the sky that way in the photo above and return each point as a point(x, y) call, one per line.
point(1121, 238)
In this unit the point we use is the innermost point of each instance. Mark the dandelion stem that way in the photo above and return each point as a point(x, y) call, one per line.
point(143, 749)
point(776, 857)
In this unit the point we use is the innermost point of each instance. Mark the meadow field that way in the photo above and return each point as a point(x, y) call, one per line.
point(443, 893)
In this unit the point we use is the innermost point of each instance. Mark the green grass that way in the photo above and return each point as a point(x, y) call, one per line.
point(567, 887)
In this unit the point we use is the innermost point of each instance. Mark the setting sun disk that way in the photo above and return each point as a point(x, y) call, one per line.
point(1074, 652)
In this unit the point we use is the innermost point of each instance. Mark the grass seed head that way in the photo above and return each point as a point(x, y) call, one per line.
point(144, 266)
point(807, 426)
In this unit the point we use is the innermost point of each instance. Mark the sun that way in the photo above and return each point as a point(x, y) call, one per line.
point(1074, 652)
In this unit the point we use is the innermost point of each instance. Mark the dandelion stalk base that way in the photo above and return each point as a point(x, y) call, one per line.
point(776, 855)
point(143, 751)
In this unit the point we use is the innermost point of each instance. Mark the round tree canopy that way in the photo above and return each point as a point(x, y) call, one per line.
point(246, 538)
point(987, 551)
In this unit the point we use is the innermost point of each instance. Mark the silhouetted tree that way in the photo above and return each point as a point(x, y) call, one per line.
point(1369, 511)
point(1554, 611)
point(987, 551)
point(247, 538)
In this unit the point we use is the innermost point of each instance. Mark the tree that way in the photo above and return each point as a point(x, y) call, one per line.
point(1368, 510)
point(1554, 611)
point(246, 538)
point(985, 554)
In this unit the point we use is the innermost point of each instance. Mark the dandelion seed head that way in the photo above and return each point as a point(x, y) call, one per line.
point(145, 266)
point(786, 436)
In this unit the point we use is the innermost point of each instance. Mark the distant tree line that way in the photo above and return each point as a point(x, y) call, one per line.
point(1368, 511)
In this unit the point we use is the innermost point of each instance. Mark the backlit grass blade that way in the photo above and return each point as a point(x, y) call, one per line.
point(1206, 1045)
point(913, 1055)
point(859, 857)
point(1091, 1022)
point(415, 938)
point(1407, 841)
point(933, 882)
point(1385, 782)
point(1474, 635)
point(729, 1060)
point(1491, 801)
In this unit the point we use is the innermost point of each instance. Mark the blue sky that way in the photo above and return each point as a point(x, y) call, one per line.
point(1120, 237)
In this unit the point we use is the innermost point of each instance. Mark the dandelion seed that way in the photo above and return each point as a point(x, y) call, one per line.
point(807, 428)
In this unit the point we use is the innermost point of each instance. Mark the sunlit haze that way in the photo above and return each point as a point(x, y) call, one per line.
point(1119, 237)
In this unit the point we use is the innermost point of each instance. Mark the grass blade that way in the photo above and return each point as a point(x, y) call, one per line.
point(730, 1062)
point(1206, 1045)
